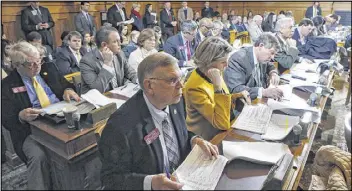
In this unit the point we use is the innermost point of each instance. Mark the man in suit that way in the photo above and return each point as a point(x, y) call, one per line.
point(106, 67)
point(152, 140)
point(206, 26)
point(117, 14)
point(207, 11)
point(34, 37)
point(38, 18)
point(313, 10)
point(28, 88)
point(84, 21)
point(167, 21)
point(180, 46)
point(255, 27)
point(305, 27)
point(184, 13)
point(68, 57)
point(249, 67)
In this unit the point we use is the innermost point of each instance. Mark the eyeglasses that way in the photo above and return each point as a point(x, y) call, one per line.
point(192, 34)
point(30, 65)
point(171, 81)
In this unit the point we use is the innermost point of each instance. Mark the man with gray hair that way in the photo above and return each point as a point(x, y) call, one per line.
point(255, 27)
point(25, 91)
point(139, 147)
point(179, 45)
point(205, 27)
point(218, 26)
point(249, 67)
point(106, 67)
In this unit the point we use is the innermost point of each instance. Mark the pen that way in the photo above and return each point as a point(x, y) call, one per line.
point(123, 87)
point(167, 173)
point(299, 77)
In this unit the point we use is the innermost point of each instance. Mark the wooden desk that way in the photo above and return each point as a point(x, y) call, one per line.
point(73, 154)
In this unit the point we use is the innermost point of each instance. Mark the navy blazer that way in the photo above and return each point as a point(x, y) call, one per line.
point(66, 61)
point(114, 16)
point(309, 12)
point(128, 49)
point(297, 38)
point(165, 21)
point(176, 47)
point(137, 23)
point(126, 157)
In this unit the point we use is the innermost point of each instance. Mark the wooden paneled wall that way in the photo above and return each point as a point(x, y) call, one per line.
point(63, 12)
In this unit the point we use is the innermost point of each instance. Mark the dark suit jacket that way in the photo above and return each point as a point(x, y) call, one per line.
point(66, 61)
point(309, 12)
point(238, 75)
point(165, 22)
point(82, 24)
point(137, 23)
point(296, 37)
point(175, 46)
point(16, 102)
point(126, 158)
point(94, 76)
point(29, 22)
point(207, 12)
point(148, 20)
point(114, 16)
point(286, 56)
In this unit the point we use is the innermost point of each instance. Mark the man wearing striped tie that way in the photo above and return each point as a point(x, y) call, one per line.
point(28, 88)
point(147, 137)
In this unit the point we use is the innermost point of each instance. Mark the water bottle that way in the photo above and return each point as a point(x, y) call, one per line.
point(305, 122)
point(312, 99)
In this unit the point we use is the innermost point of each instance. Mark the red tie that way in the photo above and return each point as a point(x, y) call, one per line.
point(170, 17)
point(188, 51)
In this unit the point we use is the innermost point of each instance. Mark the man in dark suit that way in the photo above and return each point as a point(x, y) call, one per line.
point(249, 67)
point(106, 67)
point(180, 46)
point(207, 11)
point(305, 27)
point(28, 88)
point(167, 21)
point(313, 10)
point(117, 14)
point(68, 57)
point(206, 25)
point(153, 139)
point(38, 18)
point(35, 37)
point(84, 21)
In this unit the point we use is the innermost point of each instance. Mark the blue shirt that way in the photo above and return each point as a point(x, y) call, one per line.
point(33, 95)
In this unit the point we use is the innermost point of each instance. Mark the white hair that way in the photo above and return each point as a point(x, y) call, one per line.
point(257, 17)
point(283, 23)
point(20, 51)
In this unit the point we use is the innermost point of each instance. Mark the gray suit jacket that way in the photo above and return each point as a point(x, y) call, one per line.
point(238, 75)
point(254, 31)
point(181, 14)
point(286, 56)
point(94, 76)
point(82, 24)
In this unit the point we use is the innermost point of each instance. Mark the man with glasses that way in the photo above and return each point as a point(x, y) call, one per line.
point(305, 27)
point(25, 91)
point(180, 46)
point(249, 67)
point(205, 27)
point(139, 147)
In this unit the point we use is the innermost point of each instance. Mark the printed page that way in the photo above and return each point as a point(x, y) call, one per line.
point(97, 99)
point(127, 90)
point(287, 90)
point(257, 152)
point(199, 172)
point(57, 107)
point(279, 127)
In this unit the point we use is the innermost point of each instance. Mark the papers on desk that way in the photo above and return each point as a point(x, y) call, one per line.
point(254, 118)
point(257, 152)
point(279, 127)
point(127, 90)
point(57, 107)
point(97, 99)
point(287, 90)
point(198, 172)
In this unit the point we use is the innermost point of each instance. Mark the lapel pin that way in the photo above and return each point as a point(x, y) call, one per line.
point(45, 73)
point(175, 112)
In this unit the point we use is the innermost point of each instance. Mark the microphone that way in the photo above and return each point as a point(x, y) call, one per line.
point(297, 130)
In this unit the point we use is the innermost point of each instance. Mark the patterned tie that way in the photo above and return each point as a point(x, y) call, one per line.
point(78, 56)
point(114, 79)
point(188, 51)
point(171, 145)
point(257, 75)
point(42, 97)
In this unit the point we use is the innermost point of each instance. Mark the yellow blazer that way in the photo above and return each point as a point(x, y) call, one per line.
point(207, 112)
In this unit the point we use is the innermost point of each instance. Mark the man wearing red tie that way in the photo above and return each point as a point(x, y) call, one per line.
point(168, 21)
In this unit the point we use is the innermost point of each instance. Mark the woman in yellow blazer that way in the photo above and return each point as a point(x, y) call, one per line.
point(207, 98)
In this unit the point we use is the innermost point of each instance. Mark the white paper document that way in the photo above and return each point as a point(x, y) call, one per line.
point(254, 118)
point(287, 90)
point(57, 107)
point(279, 127)
point(199, 172)
point(97, 99)
point(127, 90)
point(257, 152)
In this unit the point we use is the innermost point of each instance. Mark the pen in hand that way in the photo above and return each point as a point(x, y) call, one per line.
point(167, 173)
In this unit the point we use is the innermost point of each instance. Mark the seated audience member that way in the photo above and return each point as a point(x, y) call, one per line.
point(288, 52)
point(282, 12)
point(255, 27)
point(331, 22)
point(35, 37)
point(233, 22)
point(319, 26)
point(179, 46)
point(207, 98)
point(225, 33)
point(106, 67)
point(289, 14)
point(218, 27)
point(161, 110)
point(159, 41)
point(63, 38)
point(25, 91)
point(125, 39)
point(240, 27)
point(132, 46)
point(137, 18)
point(249, 69)
point(280, 16)
point(245, 21)
point(268, 24)
point(149, 18)
point(88, 42)
point(5, 58)
point(305, 27)
point(204, 30)
point(68, 58)
point(224, 17)
point(197, 17)
point(146, 46)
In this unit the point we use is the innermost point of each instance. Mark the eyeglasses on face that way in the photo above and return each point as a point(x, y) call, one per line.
point(171, 81)
point(30, 64)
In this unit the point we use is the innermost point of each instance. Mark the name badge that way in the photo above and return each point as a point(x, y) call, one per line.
point(34, 12)
point(181, 47)
point(152, 136)
point(19, 89)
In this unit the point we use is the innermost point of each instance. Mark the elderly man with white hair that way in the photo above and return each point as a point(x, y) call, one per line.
point(255, 27)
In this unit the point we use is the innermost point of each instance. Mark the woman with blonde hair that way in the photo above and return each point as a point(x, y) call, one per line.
point(209, 104)
point(137, 18)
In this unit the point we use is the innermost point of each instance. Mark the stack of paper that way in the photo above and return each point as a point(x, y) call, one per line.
point(57, 107)
point(97, 99)
point(287, 90)
point(279, 127)
point(127, 90)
